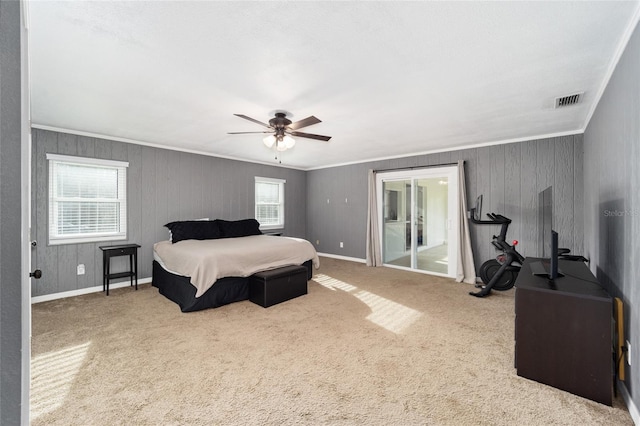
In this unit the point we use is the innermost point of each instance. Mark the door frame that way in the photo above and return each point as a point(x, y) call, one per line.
point(451, 172)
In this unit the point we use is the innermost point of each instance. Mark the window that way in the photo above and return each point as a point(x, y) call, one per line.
point(270, 203)
point(87, 199)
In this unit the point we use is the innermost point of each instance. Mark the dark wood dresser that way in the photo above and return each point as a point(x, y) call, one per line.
point(563, 331)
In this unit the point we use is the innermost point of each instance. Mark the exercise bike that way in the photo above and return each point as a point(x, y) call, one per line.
point(500, 273)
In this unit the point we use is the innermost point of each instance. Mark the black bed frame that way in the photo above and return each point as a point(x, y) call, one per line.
point(226, 290)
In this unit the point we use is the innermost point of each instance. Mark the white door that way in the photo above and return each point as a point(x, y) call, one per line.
point(418, 217)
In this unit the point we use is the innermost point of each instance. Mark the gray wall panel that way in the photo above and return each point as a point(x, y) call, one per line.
point(203, 195)
point(497, 167)
point(148, 221)
point(563, 190)
point(483, 187)
point(578, 195)
point(67, 144)
point(545, 163)
point(161, 210)
point(67, 261)
point(86, 146)
point(529, 199)
point(135, 189)
point(103, 149)
point(163, 186)
point(509, 177)
point(43, 142)
point(512, 190)
point(612, 199)
point(10, 215)
point(121, 151)
point(173, 188)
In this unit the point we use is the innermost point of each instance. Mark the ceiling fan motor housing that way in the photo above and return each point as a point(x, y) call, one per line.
point(280, 121)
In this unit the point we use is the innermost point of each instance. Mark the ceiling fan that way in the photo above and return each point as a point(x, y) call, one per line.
point(281, 129)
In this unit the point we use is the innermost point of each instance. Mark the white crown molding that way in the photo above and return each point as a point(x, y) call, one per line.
point(154, 145)
point(368, 160)
point(458, 148)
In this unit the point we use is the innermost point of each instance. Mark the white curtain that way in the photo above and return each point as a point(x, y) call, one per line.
point(374, 257)
point(466, 266)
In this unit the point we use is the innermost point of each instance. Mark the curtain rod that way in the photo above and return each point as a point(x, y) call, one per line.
point(417, 167)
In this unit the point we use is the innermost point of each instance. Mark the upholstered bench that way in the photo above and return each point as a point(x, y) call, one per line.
point(271, 287)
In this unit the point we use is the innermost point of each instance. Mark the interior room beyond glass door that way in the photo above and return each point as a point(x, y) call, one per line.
point(418, 217)
point(431, 251)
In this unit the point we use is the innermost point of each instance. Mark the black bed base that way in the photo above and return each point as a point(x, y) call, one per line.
point(226, 290)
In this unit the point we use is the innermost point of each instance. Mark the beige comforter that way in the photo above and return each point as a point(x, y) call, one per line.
point(206, 261)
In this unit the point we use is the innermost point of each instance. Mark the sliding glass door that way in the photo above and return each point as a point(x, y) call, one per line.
point(418, 213)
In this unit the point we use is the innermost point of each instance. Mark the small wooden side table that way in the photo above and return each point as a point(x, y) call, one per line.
point(108, 252)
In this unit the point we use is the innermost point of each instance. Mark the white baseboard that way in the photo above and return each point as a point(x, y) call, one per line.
point(357, 259)
point(81, 291)
point(633, 410)
point(337, 256)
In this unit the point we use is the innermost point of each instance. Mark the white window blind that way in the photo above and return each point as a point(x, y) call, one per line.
point(269, 199)
point(87, 199)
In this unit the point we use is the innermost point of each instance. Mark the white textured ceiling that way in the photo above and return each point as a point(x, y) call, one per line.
point(386, 78)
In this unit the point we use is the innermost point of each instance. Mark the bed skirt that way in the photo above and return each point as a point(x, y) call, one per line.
point(226, 290)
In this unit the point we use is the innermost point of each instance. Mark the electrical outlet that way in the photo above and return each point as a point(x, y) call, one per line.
point(341, 244)
point(628, 353)
point(80, 269)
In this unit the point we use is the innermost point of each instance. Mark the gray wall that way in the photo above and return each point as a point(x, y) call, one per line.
point(10, 215)
point(612, 195)
point(326, 206)
point(163, 186)
point(509, 177)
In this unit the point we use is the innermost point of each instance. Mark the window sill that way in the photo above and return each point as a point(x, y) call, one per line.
point(85, 240)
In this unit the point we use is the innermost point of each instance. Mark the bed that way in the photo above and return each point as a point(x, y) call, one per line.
point(207, 264)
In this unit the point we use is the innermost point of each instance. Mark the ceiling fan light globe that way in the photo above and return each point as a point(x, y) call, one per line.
point(289, 142)
point(269, 141)
point(281, 146)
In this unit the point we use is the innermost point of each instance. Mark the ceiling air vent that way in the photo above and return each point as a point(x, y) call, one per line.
point(569, 100)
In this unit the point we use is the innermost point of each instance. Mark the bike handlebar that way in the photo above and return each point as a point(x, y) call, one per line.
point(496, 219)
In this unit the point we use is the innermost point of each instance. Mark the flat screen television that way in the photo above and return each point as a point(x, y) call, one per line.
point(547, 238)
point(545, 222)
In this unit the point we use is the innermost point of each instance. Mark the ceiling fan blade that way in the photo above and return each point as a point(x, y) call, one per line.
point(304, 123)
point(252, 119)
point(310, 136)
point(243, 133)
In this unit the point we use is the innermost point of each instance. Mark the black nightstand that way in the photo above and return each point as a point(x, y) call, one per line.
point(108, 252)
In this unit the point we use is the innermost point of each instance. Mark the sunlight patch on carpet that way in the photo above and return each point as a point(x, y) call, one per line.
point(52, 375)
point(390, 315)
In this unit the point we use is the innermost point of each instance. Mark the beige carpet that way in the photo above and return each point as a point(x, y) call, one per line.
point(366, 346)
